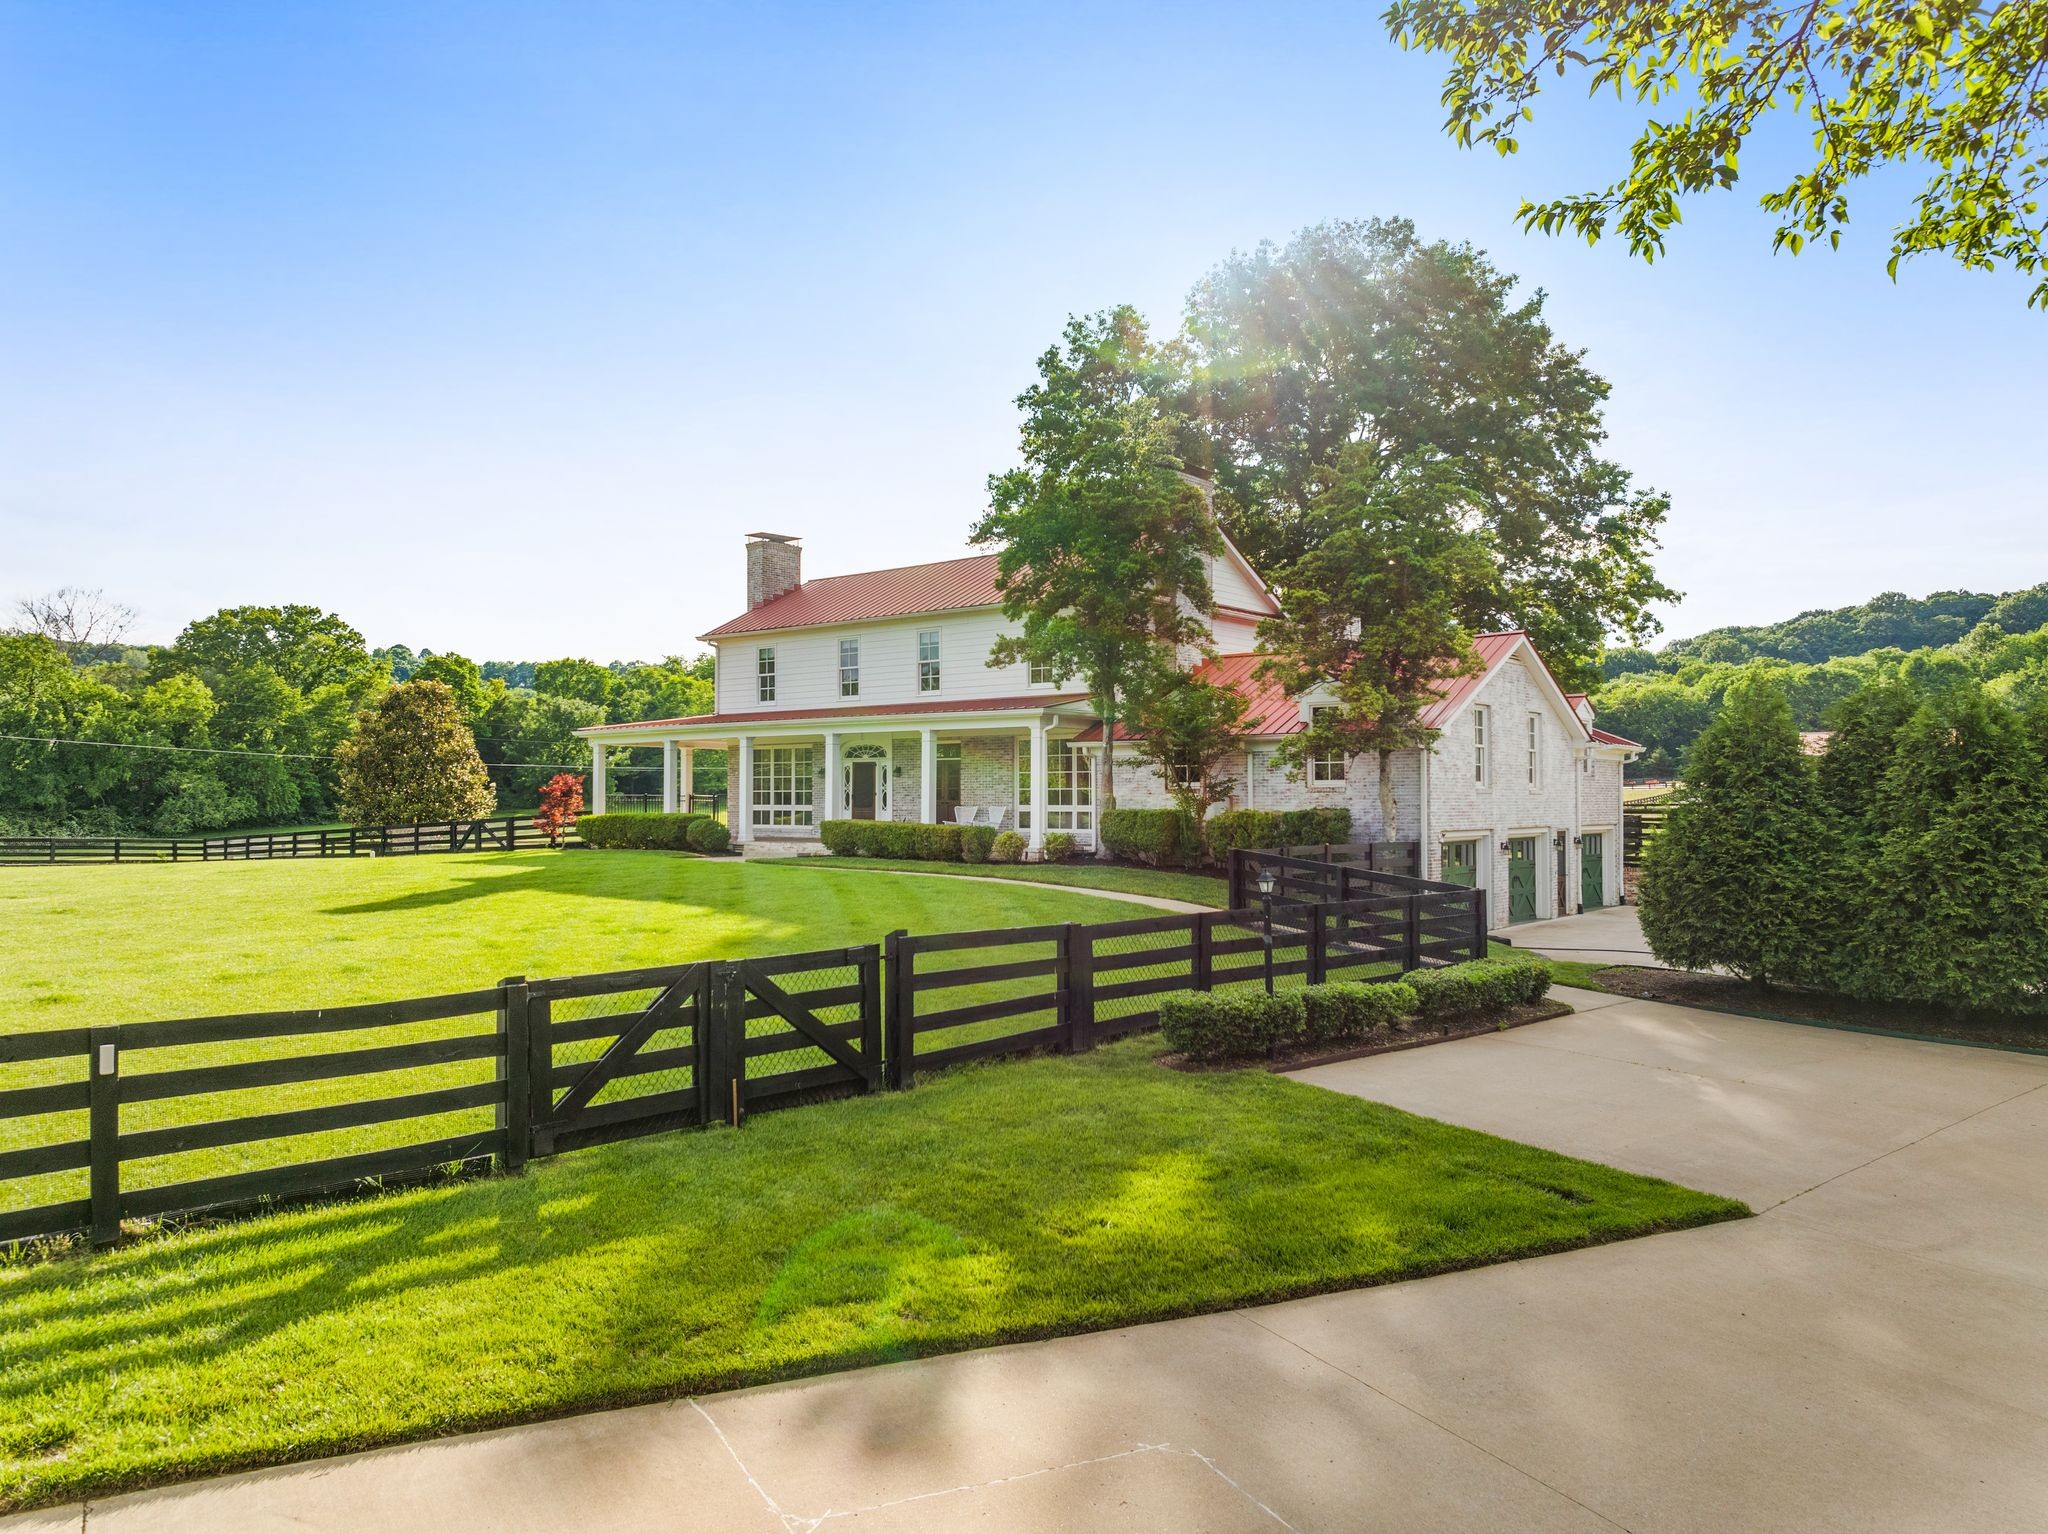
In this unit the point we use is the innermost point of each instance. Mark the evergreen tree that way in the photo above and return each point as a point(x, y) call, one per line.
point(1959, 914)
point(413, 761)
point(1736, 880)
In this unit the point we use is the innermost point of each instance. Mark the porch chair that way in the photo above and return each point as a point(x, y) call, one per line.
point(966, 814)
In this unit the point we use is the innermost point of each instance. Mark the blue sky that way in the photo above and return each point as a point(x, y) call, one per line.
point(493, 327)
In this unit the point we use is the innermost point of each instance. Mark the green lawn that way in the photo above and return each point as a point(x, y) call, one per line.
point(132, 943)
point(1196, 888)
point(998, 1202)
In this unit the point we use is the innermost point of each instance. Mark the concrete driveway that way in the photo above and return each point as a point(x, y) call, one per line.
point(1869, 1353)
point(1611, 935)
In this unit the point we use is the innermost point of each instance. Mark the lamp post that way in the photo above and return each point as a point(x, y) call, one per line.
point(1266, 910)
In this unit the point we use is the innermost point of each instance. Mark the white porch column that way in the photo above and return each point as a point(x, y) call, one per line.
point(688, 770)
point(739, 793)
point(833, 809)
point(928, 775)
point(597, 775)
point(668, 777)
point(1038, 799)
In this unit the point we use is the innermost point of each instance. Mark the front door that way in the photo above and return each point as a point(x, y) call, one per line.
point(948, 796)
point(860, 799)
point(1522, 879)
point(1592, 870)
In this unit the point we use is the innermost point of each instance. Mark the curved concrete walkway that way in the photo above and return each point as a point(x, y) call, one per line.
point(1157, 902)
point(1869, 1353)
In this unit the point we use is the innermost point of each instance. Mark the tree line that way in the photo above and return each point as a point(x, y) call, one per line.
point(1668, 708)
point(243, 718)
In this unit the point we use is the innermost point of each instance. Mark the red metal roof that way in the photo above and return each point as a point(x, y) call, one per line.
point(1609, 738)
point(1272, 712)
point(764, 718)
point(946, 586)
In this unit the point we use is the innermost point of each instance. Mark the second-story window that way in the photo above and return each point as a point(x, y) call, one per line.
point(1041, 674)
point(1535, 750)
point(1325, 764)
point(1479, 745)
point(849, 668)
point(764, 674)
point(927, 660)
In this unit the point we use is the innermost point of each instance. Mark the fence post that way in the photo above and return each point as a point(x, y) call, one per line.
point(1077, 988)
point(898, 1055)
point(1204, 936)
point(1316, 957)
point(1235, 899)
point(727, 1028)
point(1411, 933)
point(515, 1071)
point(1479, 933)
point(103, 1101)
point(870, 963)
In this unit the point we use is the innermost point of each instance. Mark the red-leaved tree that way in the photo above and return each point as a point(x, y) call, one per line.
point(561, 801)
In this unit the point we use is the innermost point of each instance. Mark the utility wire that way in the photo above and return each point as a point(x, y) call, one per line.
point(297, 756)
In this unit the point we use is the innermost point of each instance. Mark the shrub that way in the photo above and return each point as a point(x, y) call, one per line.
point(841, 837)
point(938, 844)
point(1254, 829)
point(1346, 1010)
point(1158, 837)
point(1739, 879)
point(1231, 1025)
point(1484, 985)
point(707, 835)
point(1060, 847)
point(561, 803)
point(908, 839)
point(412, 761)
point(665, 833)
point(1008, 847)
point(975, 842)
point(1302, 828)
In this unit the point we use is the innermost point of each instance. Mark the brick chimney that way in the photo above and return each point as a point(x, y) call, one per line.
point(775, 564)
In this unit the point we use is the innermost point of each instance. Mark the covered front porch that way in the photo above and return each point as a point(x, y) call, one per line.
point(1023, 772)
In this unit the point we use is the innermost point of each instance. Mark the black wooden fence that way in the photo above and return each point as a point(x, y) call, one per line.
point(540, 1067)
point(1642, 822)
point(501, 833)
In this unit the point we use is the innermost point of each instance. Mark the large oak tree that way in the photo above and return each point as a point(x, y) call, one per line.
point(1360, 345)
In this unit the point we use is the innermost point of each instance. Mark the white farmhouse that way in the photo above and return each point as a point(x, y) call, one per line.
point(872, 696)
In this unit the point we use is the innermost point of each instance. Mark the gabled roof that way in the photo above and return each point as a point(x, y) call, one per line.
point(1609, 738)
point(906, 591)
point(1271, 712)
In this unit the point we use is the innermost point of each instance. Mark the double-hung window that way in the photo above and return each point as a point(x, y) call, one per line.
point(927, 660)
point(764, 674)
point(784, 782)
point(1535, 750)
point(1479, 745)
point(1041, 674)
point(1325, 764)
point(849, 668)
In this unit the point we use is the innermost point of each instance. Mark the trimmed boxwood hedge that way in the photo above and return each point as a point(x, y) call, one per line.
point(1484, 985)
point(1163, 838)
point(976, 842)
point(664, 833)
point(707, 835)
point(1267, 830)
point(1250, 1025)
point(892, 839)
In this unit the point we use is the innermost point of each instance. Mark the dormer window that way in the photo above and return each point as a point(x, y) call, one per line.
point(849, 668)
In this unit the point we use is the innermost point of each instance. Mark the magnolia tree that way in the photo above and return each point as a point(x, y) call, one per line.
point(561, 801)
point(413, 761)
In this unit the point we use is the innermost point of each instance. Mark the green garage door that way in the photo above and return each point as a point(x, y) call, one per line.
point(1593, 870)
point(1522, 879)
point(1461, 863)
